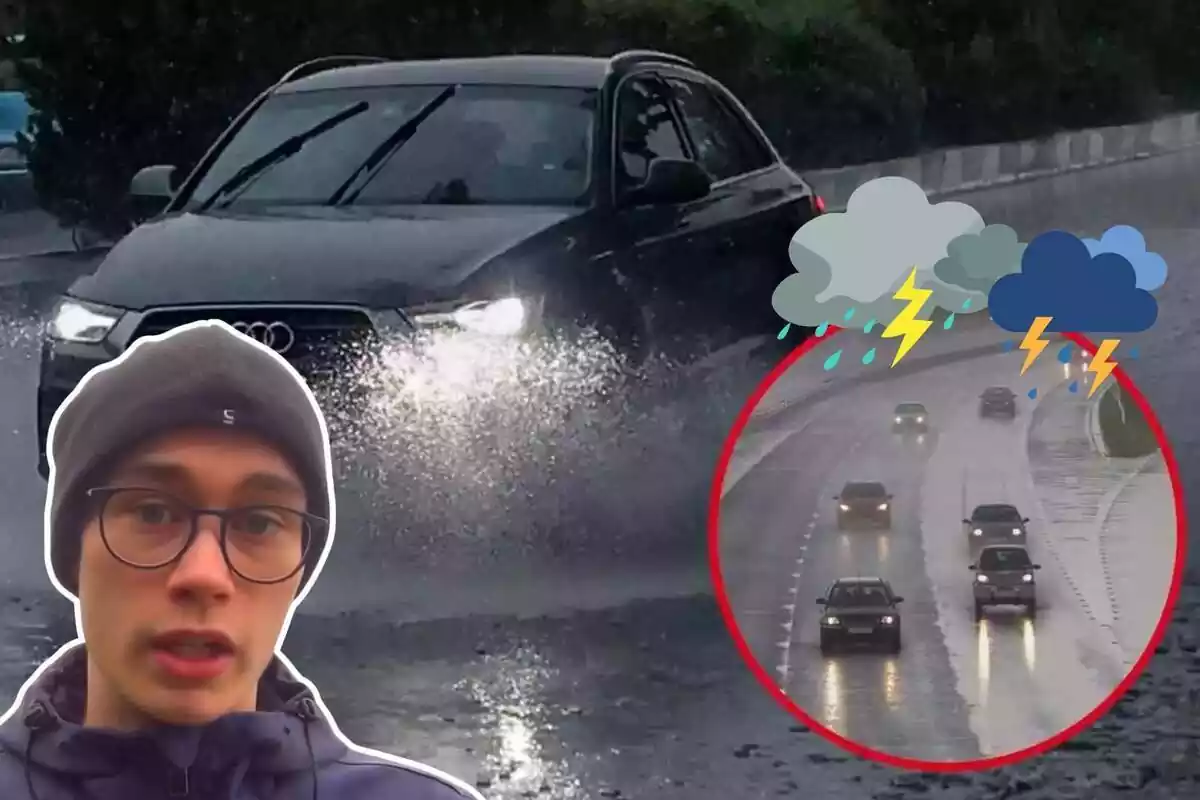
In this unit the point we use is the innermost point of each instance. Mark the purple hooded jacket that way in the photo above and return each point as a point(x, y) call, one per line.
point(287, 749)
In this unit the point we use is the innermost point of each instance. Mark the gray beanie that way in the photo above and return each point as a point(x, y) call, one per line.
point(199, 375)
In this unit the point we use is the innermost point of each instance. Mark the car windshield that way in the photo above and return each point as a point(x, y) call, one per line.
point(494, 145)
point(996, 514)
point(865, 490)
point(1002, 558)
point(910, 408)
point(849, 595)
point(997, 391)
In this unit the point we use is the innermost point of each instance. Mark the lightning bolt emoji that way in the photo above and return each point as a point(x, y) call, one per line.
point(906, 323)
point(1033, 341)
point(1101, 365)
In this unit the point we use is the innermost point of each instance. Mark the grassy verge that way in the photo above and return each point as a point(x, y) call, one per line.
point(1127, 434)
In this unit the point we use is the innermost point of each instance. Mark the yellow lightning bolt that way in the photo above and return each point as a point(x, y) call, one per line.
point(1033, 341)
point(906, 323)
point(1101, 365)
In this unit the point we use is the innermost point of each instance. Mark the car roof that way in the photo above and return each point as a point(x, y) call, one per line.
point(998, 389)
point(910, 404)
point(862, 580)
point(582, 72)
point(864, 485)
point(1004, 547)
point(995, 507)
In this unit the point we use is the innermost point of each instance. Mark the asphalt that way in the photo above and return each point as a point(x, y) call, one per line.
point(575, 652)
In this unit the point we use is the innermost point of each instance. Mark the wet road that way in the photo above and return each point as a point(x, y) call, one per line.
point(642, 695)
point(958, 689)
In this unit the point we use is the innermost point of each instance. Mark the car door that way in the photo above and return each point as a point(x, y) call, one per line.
point(756, 206)
point(654, 244)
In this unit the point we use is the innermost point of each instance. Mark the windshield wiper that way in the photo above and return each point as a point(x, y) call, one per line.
point(387, 147)
point(281, 152)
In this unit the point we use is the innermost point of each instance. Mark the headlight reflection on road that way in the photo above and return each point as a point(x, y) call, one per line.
point(891, 683)
point(1029, 641)
point(832, 692)
point(983, 658)
point(883, 545)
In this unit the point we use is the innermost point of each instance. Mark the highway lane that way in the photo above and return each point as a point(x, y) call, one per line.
point(647, 697)
point(959, 688)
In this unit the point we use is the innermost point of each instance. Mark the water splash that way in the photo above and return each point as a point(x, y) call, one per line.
point(833, 360)
point(949, 323)
point(1132, 353)
point(1033, 393)
point(822, 329)
point(870, 324)
point(1008, 345)
point(1074, 387)
point(868, 356)
point(784, 332)
point(849, 313)
point(1064, 355)
point(966, 304)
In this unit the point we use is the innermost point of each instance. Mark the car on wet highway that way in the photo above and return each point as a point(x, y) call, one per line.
point(864, 503)
point(998, 401)
point(910, 418)
point(1004, 576)
point(860, 611)
point(996, 523)
point(360, 199)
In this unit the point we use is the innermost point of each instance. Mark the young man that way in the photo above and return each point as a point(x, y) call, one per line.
point(190, 507)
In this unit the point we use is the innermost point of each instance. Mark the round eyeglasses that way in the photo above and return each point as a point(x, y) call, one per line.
point(150, 529)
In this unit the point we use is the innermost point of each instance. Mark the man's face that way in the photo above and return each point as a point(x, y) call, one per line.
point(127, 612)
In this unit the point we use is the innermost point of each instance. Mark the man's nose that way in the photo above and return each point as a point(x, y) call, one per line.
point(202, 570)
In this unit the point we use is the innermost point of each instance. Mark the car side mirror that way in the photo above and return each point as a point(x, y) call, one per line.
point(1037, 566)
point(897, 599)
point(972, 567)
point(151, 189)
point(820, 601)
point(889, 497)
point(671, 181)
point(837, 497)
point(1025, 520)
point(966, 522)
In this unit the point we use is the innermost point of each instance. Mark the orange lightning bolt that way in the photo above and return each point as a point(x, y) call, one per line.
point(1101, 365)
point(1033, 341)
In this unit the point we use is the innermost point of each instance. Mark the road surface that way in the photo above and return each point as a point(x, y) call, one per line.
point(640, 694)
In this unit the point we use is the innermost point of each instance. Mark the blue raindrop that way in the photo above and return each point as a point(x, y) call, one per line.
point(822, 328)
point(949, 323)
point(870, 324)
point(869, 356)
point(966, 304)
point(833, 360)
point(1008, 345)
point(849, 313)
point(1074, 387)
point(784, 332)
point(1064, 355)
point(1033, 393)
point(1132, 353)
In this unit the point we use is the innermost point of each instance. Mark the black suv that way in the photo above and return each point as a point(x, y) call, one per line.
point(510, 196)
point(910, 418)
point(1004, 576)
point(995, 523)
point(864, 503)
point(860, 611)
point(998, 401)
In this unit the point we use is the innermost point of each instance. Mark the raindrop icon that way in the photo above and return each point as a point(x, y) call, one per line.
point(870, 324)
point(949, 323)
point(869, 356)
point(1008, 345)
point(1133, 353)
point(784, 332)
point(849, 313)
point(822, 328)
point(966, 304)
point(832, 361)
point(1074, 387)
point(1033, 393)
point(1064, 355)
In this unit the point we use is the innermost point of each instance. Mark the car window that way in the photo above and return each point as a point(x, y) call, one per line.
point(1003, 558)
point(863, 490)
point(863, 594)
point(646, 130)
point(497, 145)
point(723, 144)
point(910, 408)
point(996, 514)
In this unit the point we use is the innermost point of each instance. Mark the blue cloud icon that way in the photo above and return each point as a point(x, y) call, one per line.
point(1128, 241)
point(1059, 278)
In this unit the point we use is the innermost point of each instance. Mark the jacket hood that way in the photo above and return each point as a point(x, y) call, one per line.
point(239, 751)
point(372, 257)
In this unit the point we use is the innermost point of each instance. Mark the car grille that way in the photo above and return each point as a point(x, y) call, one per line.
point(858, 620)
point(326, 339)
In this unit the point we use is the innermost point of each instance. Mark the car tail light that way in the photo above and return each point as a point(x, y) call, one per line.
point(819, 203)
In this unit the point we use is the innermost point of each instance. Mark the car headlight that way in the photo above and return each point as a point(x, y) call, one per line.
point(899, 420)
point(831, 621)
point(888, 620)
point(1017, 531)
point(1027, 577)
point(508, 316)
point(883, 506)
point(981, 578)
point(977, 532)
point(920, 419)
point(844, 507)
point(79, 321)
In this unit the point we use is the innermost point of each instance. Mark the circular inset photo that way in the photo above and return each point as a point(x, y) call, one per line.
point(950, 562)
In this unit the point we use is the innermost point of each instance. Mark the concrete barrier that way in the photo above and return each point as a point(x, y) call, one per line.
point(963, 169)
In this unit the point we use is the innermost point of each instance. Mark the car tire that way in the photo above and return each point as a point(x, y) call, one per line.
point(979, 609)
point(887, 522)
point(895, 643)
point(1031, 610)
point(826, 645)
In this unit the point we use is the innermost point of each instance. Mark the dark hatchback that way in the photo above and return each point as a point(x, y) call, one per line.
point(511, 196)
point(910, 418)
point(860, 611)
point(864, 503)
point(1004, 576)
point(996, 523)
point(998, 401)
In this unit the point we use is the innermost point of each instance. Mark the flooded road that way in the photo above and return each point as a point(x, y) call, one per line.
point(559, 641)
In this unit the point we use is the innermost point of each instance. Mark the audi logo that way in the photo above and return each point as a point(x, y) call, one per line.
point(278, 336)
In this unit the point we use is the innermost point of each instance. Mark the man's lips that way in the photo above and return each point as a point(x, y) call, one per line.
point(193, 655)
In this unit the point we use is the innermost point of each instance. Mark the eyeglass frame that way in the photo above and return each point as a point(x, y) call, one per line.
point(106, 493)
